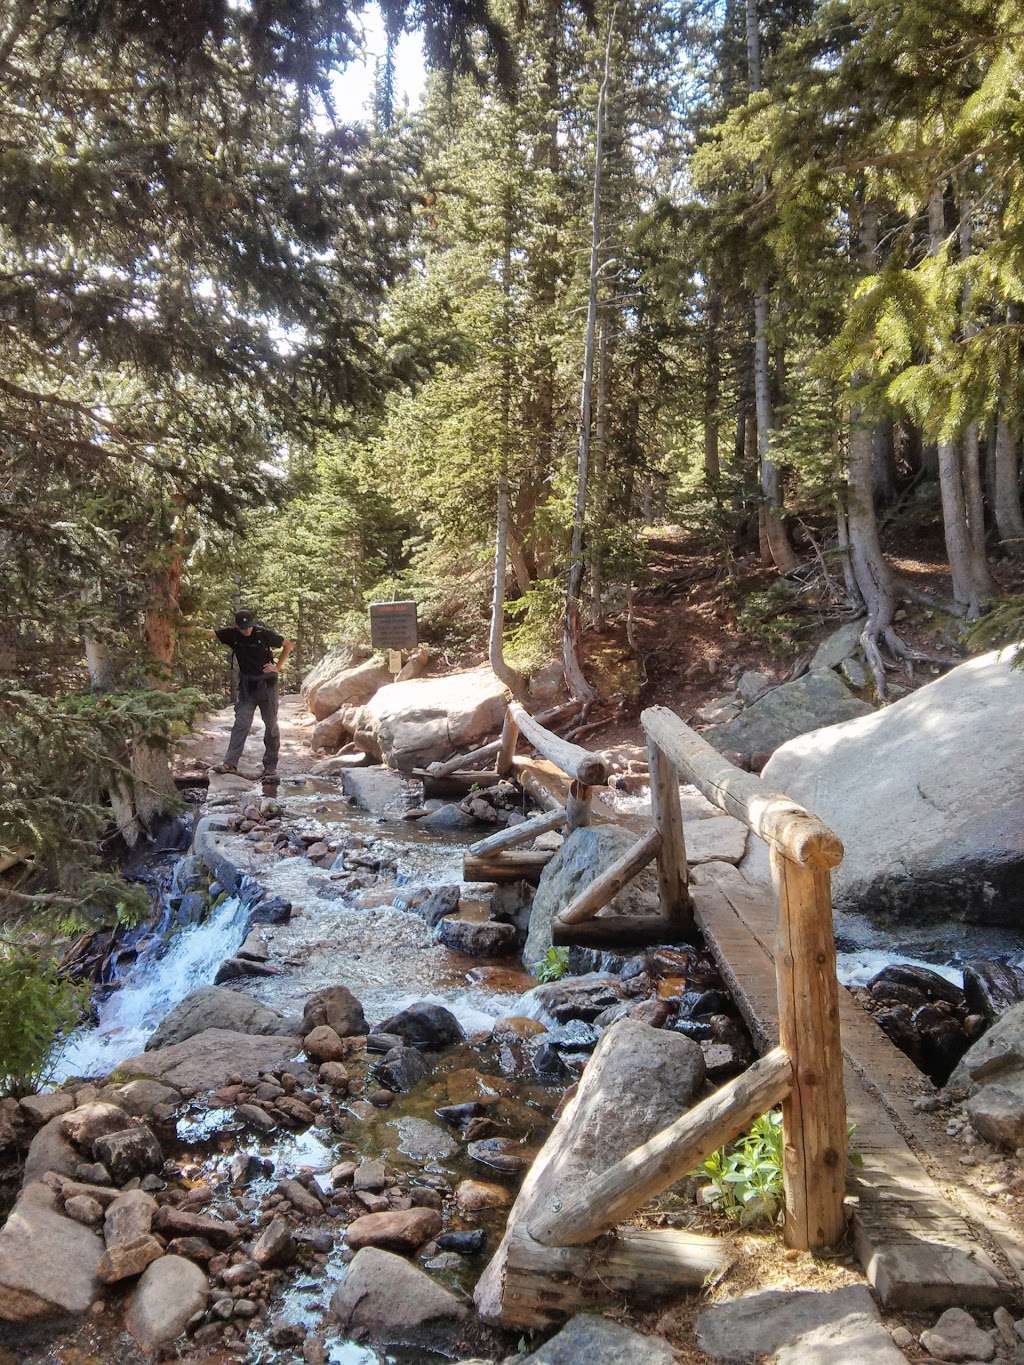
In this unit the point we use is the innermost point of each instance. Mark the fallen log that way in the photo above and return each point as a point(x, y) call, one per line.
point(493, 747)
point(514, 865)
point(518, 834)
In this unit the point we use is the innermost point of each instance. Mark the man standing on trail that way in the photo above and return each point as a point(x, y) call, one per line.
point(253, 646)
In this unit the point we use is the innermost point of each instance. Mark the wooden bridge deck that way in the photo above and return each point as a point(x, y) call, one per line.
point(918, 1244)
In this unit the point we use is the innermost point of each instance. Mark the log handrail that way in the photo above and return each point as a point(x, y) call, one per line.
point(494, 746)
point(607, 884)
point(522, 833)
point(587, 767)
point(776, 819)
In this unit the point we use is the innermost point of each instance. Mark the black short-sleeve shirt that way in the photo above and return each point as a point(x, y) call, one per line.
point(251, 651)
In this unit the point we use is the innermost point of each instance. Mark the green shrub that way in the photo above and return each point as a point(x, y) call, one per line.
point(553, 965)
point(36, 1006)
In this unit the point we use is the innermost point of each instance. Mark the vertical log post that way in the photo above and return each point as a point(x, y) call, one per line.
point(814, 1115)
point(668, 821)
point(577, 807)
point(507, 745)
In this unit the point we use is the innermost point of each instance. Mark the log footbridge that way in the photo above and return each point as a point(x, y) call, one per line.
point(919, 1241)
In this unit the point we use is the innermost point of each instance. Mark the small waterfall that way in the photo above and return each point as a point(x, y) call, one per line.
point(152, 986)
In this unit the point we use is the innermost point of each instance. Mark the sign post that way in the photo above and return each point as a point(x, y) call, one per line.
point(394, 628)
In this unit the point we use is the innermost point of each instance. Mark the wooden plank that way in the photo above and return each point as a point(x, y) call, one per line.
point(648, 1170)
point(913, 1243)
point(607, 885)
point(587, 767)
point(778, 820)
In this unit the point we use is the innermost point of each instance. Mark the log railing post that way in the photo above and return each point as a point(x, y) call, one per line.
point(507, 745)
point(814, 1113)
point(667, 814)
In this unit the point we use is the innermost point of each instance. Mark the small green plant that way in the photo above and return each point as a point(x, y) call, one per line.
point(553, 965)
point(746, 1178)
point(36, 1006)
point(768, 617)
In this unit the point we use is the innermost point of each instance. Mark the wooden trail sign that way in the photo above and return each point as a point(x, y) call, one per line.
point(393, 625)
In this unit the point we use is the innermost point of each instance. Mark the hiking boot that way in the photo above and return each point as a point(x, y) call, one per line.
point(269, 774)
point(225, 768)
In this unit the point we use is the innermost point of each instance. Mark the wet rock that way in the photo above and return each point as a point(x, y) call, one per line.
point(422, 1140)
point(271, 910)
point(450, 819)
point(426, 1026)
point(170, 1292)
point(370, 1175)
point(173, 1222)
point(127, 1259)
point(300, 1198)
point(403, 1231)
point(473, 1196)
point(402, 1068)
point(247, 1166)
point(195, 1248)
point(501, 1154)
point(84, 1209)
point(256, 1117)
point(322, 1044)
point(599, 1341)
point(141, 1098)
point(458, 1115)
point(40, 1109)
point(84, 1125)
point(991, 988)
point(423, 1197)
point(390, 1299)
point(580, 997)
point(274, 1244)
point(48, 1263)
point(931, 985)
point(334, 1007)
point(129, 1216)
point(207, 1060)
point(477, 938)
point(468, 1242)
point(213, 1007)
point(334, 1075)
point(433, 903)
point(382, 1042)
point(296, 1111)
point(516, 1027)
point(957, 1337)
point(996, 1058)
point(234, 968)
point(997, 1114)
point(897, 1022)
point(254, 949)
point(130, 1152)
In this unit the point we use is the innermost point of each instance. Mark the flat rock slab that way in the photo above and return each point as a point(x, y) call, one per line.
point(796, 708)
point(214, 1007)
point(423, 1140)
point(798, 1327)
point(205, 1061)
point(597, 1341)
point(377, 790)
point(718, 839)
point(48, 1263)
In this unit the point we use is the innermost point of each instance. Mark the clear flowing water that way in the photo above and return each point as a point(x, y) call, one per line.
point(152, 987)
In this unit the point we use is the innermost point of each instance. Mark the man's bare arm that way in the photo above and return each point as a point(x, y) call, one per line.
point(282, 658)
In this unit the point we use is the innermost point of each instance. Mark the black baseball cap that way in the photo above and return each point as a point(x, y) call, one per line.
point(244, 619)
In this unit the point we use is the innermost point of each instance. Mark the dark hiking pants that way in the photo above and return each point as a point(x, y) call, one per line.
point(253, 693)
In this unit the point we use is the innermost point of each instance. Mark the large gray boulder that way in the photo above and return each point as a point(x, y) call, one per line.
point(334, 662)
point(927, 796)
point(170, 1292)
point(392, 1301)
point(581, 859)
point(48, 1263)
point(793, 709)
point(599, 1341)
point(413, 723)
point(997, 1058)
point(350, 687)
point(215, 1007)
point(206, 1060)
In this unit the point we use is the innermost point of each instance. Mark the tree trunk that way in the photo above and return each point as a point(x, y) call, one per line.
point(496, 651)
point(1007, 505)
point(775, 546)
point(974, 497)
point(579, 688)
point(712, 384)
point(600, 476)
point(882, 464)
point(951, 485)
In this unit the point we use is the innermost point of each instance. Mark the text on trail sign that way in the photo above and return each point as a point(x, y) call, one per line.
point(393, 625)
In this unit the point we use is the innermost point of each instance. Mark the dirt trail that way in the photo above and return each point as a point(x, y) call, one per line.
point(206, 745)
